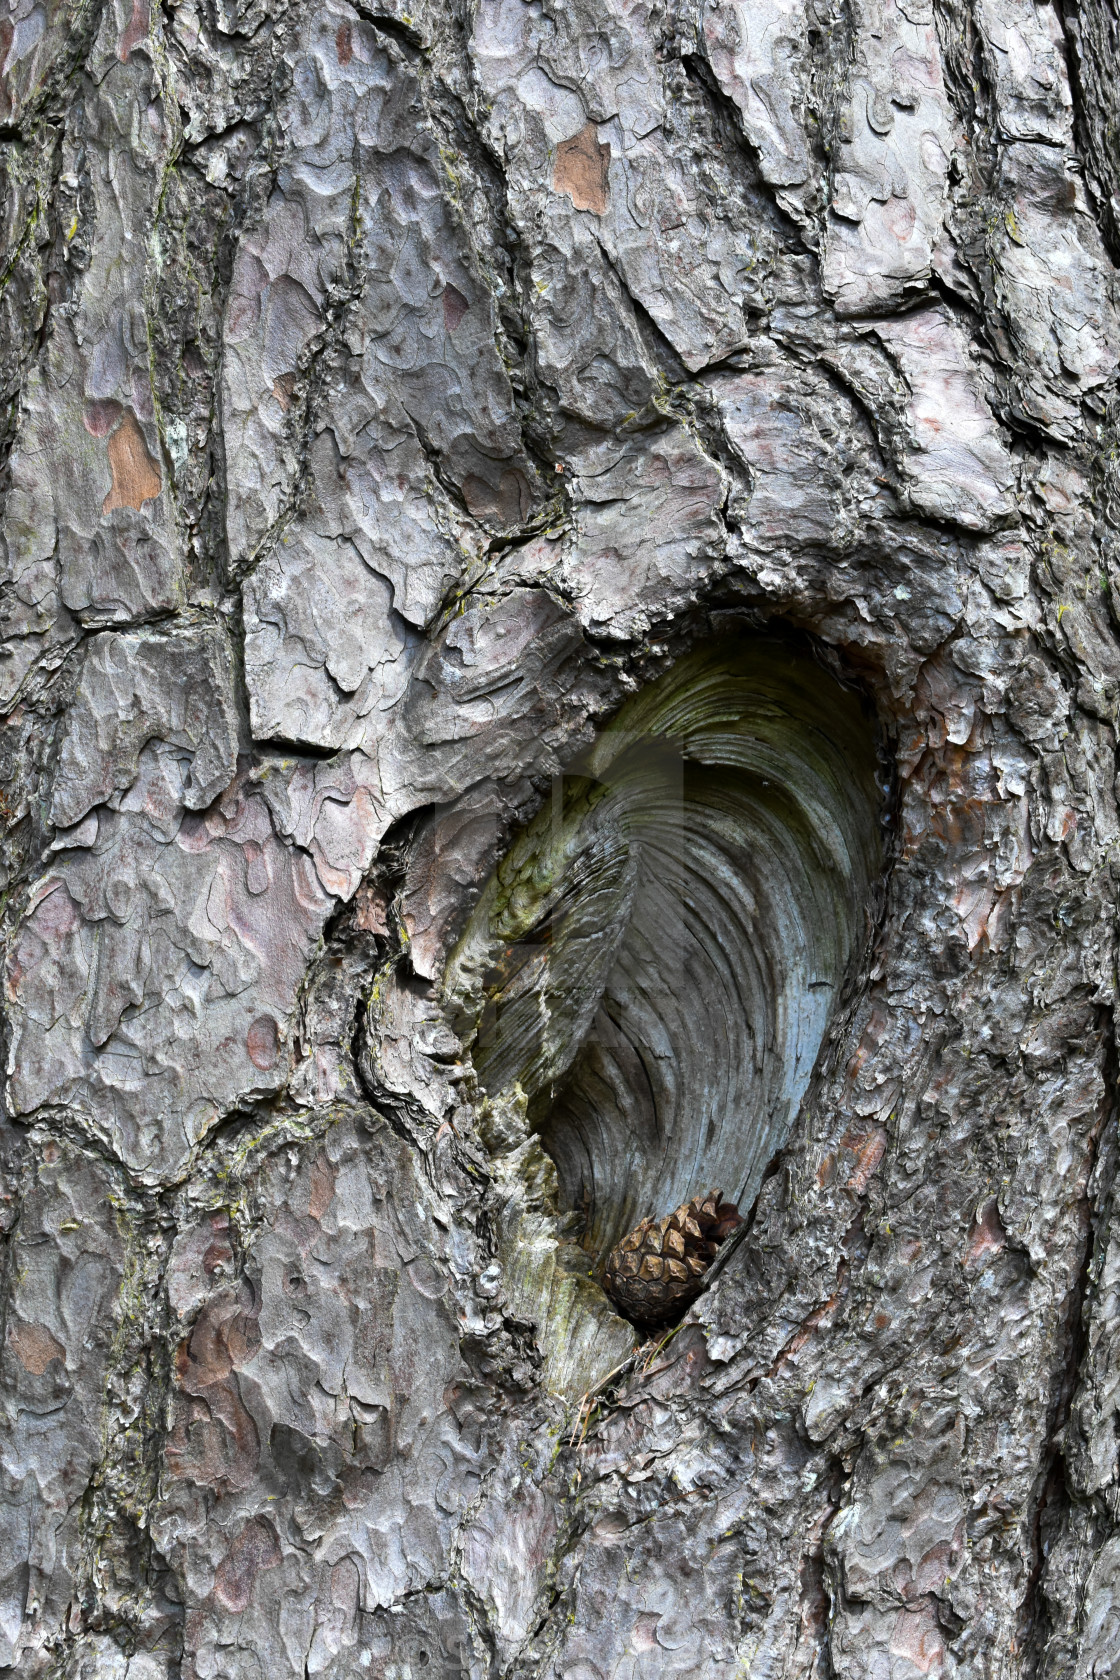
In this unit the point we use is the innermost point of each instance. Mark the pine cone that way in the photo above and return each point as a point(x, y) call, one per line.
point(657, 1270)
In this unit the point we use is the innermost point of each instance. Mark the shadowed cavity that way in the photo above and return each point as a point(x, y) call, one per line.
point(655, 962)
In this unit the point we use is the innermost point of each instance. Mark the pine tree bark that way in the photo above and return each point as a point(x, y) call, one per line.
point(561, 650)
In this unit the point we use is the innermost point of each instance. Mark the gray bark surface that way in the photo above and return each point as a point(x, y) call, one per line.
point(561, 613)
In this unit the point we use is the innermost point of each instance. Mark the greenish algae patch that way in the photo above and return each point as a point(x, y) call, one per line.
point(580, 1338)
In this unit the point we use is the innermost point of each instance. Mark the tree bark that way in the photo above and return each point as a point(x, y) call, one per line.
point(560, 590)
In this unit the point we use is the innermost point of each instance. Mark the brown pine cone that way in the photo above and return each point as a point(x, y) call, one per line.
point(659, 1268)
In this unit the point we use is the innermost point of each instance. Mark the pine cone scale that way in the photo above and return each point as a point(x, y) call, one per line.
point(659, 1267)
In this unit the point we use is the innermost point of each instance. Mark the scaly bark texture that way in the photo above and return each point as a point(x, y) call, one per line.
point(560, 612)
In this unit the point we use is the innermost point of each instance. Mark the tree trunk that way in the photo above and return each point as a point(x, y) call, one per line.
point(561, 602)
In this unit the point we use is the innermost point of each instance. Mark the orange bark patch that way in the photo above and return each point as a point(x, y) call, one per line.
point(263, 1042)
point(322, 1187)
point(220, 1252)
point(213, 1441)
point(455, 306)
point(136, 477)
point(100, 417)
point(644, 1634)
point(869, 1150)
point(987, 1235)
point(870, 1041)
point(822, 1315)
point(581, 169)
point(283, 388)
point(255, 1549)
point(917, 1637)
point(34, 1347)
point(136, 29)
